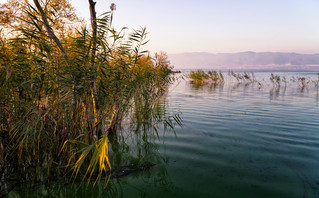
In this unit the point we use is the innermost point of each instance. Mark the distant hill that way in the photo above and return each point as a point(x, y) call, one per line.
point(245, 60)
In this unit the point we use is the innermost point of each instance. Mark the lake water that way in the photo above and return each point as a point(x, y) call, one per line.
point(238, 140)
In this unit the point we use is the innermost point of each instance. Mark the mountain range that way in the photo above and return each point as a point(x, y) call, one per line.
point(245, 60)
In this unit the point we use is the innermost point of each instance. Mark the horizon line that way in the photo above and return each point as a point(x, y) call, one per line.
point(314, 53)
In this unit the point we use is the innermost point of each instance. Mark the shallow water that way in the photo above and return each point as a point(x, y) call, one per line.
point(238, 140)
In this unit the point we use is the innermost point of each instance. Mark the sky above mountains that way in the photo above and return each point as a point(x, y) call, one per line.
point(215, 26)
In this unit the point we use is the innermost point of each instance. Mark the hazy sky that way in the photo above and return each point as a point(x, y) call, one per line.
point(215, 26)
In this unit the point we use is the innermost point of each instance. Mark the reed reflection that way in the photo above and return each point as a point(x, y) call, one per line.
point(276, 85)
point(138, 166)
point(132, 152)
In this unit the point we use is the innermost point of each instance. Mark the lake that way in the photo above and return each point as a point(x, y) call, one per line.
point(237, 140)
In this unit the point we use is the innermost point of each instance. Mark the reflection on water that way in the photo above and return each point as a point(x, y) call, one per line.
point(276, 84)
point(133, 154)
point(249, 140)
point(138, 170)
point(240, 139)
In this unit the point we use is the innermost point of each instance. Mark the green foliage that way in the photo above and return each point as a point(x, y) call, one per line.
point(200, 77)
point(49, 115)
point(216, 77)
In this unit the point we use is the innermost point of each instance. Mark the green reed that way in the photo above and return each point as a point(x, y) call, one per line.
point(200, 77)
point(56, 109)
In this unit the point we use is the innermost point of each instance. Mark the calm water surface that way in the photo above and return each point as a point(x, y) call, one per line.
point(238, 140)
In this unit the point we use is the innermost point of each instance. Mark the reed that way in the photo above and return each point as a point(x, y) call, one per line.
point(246, 77)
point(57, 107)
point(216, 77)
point(275, 79)
point(200, 77)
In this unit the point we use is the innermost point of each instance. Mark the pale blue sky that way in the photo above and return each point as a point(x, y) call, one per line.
point(216, 26)
point(177, 26)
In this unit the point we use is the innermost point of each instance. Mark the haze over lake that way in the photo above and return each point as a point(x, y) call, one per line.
point(245, 61)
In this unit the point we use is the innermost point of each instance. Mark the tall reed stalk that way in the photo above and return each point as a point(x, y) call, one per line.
point(57, 106)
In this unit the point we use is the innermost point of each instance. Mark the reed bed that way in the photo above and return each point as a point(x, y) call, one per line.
point(202, 78)
point(59, 103)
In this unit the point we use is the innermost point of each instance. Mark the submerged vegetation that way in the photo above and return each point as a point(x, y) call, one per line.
point(66, 88)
